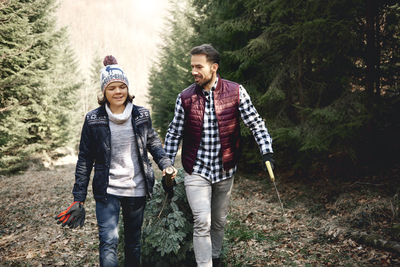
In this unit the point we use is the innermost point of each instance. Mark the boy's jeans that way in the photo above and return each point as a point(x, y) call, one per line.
point(107, 213)
point(209, 204)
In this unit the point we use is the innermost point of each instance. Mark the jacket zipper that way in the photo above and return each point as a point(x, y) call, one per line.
point(136, 133)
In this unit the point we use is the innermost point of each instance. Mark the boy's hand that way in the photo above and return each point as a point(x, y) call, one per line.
point(168, 180)
point(73, 216)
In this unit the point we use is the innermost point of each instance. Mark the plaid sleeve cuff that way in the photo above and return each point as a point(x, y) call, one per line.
point(253, 120)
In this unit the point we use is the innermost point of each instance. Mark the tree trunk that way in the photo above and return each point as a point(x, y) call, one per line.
point(300, 84)
point(371, 54)
point(335, 231)
point(378, 74)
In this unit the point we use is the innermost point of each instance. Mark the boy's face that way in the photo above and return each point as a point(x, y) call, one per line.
point(203, 71)
point(116, 93)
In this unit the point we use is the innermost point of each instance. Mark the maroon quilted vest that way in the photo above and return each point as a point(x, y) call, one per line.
point(226, 102)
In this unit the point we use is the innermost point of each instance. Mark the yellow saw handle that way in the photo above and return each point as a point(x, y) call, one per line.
point(271, 173)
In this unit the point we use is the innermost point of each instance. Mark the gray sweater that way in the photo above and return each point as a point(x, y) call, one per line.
point(125, 178)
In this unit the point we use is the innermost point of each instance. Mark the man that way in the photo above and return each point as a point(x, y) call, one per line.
point(207, 118)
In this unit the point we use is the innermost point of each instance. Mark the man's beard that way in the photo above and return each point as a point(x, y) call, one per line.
point(203, 84)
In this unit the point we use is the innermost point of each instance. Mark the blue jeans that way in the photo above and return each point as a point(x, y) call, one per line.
point(107, 213)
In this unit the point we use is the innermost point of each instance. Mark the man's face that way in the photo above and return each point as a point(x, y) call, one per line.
point(203, 71)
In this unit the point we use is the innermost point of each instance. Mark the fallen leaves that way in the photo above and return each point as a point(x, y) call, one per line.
point(250, 215)
point(29, 234)
point(257, 232)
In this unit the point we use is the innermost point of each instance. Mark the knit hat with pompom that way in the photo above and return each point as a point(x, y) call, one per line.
point(112, 72)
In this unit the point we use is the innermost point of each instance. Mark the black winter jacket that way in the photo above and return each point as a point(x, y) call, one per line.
point(95, 148)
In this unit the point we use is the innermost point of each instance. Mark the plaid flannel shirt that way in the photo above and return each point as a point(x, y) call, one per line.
point(208, 163)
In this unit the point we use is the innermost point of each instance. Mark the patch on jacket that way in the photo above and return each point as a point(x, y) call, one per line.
point(93, 119)
point(144, 116)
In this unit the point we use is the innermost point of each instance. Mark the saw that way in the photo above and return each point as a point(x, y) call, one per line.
point(272, 177)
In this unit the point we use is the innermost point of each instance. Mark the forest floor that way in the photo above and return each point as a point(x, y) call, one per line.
point(257, 233)
point(322, 222)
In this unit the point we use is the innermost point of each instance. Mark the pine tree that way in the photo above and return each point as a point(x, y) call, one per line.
point(304, 65)
point(30, 82)
point(93, 90)
point(171, 73)
point(60, 121)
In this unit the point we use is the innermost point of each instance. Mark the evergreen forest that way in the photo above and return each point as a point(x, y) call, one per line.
point(39, 83)
point(323, 75)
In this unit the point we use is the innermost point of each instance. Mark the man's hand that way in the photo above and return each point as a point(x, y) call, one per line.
point(268, 165)
point(168, 180)
point(268, 157)
point(73, 216)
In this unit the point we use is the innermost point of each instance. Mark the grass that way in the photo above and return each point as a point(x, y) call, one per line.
point(237, 231)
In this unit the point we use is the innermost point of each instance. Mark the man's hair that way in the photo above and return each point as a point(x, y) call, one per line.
point(208, 50)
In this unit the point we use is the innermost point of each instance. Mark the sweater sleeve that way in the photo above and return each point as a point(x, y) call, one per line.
point(155, 148)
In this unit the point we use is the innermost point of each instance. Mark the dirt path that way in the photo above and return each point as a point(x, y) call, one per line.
point(29, 234)
point(257, 234)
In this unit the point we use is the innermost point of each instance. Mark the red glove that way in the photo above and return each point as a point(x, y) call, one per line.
point(73, 216)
